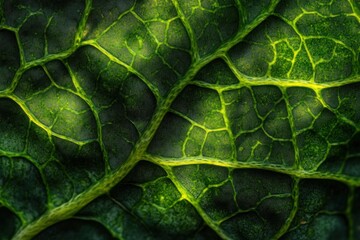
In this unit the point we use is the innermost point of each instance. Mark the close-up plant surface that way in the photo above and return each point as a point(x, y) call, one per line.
point(176, 119)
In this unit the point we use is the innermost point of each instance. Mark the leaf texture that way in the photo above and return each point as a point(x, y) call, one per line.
point(174, 119)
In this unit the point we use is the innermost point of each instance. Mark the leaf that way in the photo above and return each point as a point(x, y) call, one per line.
point(174, 119)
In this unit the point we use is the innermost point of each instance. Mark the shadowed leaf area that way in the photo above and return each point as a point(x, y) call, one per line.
point(176, 119)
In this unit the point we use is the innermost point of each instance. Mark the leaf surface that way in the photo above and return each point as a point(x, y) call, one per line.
point(174, 119)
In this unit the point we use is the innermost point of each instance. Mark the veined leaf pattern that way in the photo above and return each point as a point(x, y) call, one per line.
point(174, 119)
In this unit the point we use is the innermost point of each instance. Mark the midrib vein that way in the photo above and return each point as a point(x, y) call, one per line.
point(104, 185)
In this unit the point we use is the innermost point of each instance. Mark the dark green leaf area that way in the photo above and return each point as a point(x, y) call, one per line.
point(9, 223)
point(197, 178)
point(146, 204)
point(332, 59)
point(334, 129)
point(22, 188)
point(268, 104)
point(263, 199)
point(341, 30)
point(59, 74)
point(313, 149)
point(343, 158)
point(88, 66)
point(178, 222)
point(289, 57)
point(346, 105)
point(69, 14)
point(349, 103)
point(233, 198)
point(356, 213)
point(246, 57)
point(255, 186)
point(259, 120)
point(218, 144)
point(352, 166)
point(246, 226)
point(212, 22)
point(266, 97)
point(277, 124)
point(260, 224)
point(109, 85)
point(97, 23)
point(327, 94)
point(289, 9)
point(13, 128)
point(240, 108)
point(61, 187)
point(9, 58)
point(118, 144)
point(216, 72)
point(139, 102)
point(200, 105)
point(145, 172)
point(305, 107)
point(265, 52)
point(341, 27)
point(22, 137)
point(161, 207)
point(73, 159)
point(252, 9)
point(254, 146)
point(324, 127)
point(194, 142)
point(114, 216)
point(335, 160)
point(339, 67)
point(33, 81)
point(322, 195)
point(32, 37)
point(282, 153)
point(175, 56)
point(39, 148)
point(322, 226)
point(161, 193)
point(218, 201)
point(325, 123)
point(321, 48)
point(325, 8)
point(205, 233)
point(120, 100)
point(41, 25)
point(321, 213)
point(76, 229)
point(18, 15)
point(170, 145)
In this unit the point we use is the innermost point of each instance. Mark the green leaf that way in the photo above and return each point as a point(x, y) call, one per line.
point(174, 119)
